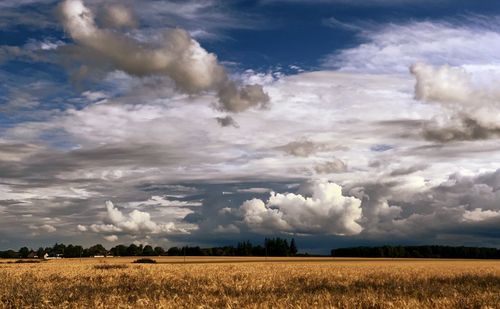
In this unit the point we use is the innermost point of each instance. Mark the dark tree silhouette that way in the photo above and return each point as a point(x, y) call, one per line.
point(272, 247)
point(419, 252)
point(293, 247)
point(23, 252)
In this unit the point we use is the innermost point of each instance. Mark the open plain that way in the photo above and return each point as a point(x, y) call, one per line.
point(213, 282)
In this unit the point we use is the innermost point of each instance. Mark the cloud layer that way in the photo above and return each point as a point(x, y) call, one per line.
point(395, 140)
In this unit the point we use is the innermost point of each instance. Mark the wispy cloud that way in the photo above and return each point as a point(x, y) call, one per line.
point(395, 47)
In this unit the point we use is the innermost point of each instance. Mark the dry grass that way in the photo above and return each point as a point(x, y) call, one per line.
point(251, 283)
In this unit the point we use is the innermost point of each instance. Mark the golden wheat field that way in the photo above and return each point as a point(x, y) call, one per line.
point(251, 283)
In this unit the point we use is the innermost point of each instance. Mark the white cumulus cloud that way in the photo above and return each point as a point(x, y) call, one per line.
point(135, 222)
point(111, 238)
point(326, 212)
point(480, 215)
point(48, 228)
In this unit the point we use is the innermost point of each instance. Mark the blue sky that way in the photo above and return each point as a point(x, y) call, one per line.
point(208, 122)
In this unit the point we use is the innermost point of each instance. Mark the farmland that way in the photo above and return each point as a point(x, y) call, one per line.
point(207, 282)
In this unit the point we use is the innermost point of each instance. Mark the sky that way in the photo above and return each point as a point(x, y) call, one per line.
point(334, 122)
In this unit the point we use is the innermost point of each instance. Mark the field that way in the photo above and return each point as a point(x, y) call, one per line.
point(250, 283)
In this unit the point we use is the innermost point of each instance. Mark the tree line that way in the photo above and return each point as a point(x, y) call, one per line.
point(444, 252)
point(271, 247)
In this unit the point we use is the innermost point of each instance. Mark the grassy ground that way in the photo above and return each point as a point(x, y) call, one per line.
point(251, 283)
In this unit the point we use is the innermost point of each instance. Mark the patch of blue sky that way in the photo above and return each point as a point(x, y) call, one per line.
point(298, 34)
point(58, 139)
point(381, 147)
point(40, 82)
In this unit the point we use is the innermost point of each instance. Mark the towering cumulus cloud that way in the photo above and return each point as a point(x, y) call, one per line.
point(177, 56)
point(327, 211)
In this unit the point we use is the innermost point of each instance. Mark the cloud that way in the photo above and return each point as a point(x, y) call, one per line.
point(302, 148)
point(480, 215)
point(163, 201)
point(205, 19)
point(473, 107)
point(234, 99)
point(392, 48)
point(460, 128)
point(177, 56)
point(118, 15)
point(355, 3)
point(111, 238)
point(229, 229)
point(227, 121)
point(461, 204)
point(377, 212)
point(131, 151)
point(402, 171)
point(254, 190)
point(47, 228)
point(16, 52)
point(16, 3)
point(27, 13)
point(136, 222)
point(333, 22)
point(326, 212)
point(133, 133)
point(334, 166)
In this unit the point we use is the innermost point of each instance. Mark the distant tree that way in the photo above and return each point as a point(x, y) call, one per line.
point(258, 250)
point(148, 251)
point(58, 249)
point(9, 254)
point(40, 252)
point(134, 250)
point(174, 251)
point(419, 252)
point(293, 247)
point(244, 248)
point(277, 247)
point(159, 251)
point(97, 250)
point(217, 251)
point(23, 252)
point(119, 250)
point(73, 251)
point(48, 250)
point(192, 251)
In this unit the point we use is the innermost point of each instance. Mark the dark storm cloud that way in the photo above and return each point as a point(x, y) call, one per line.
point(460, 203)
